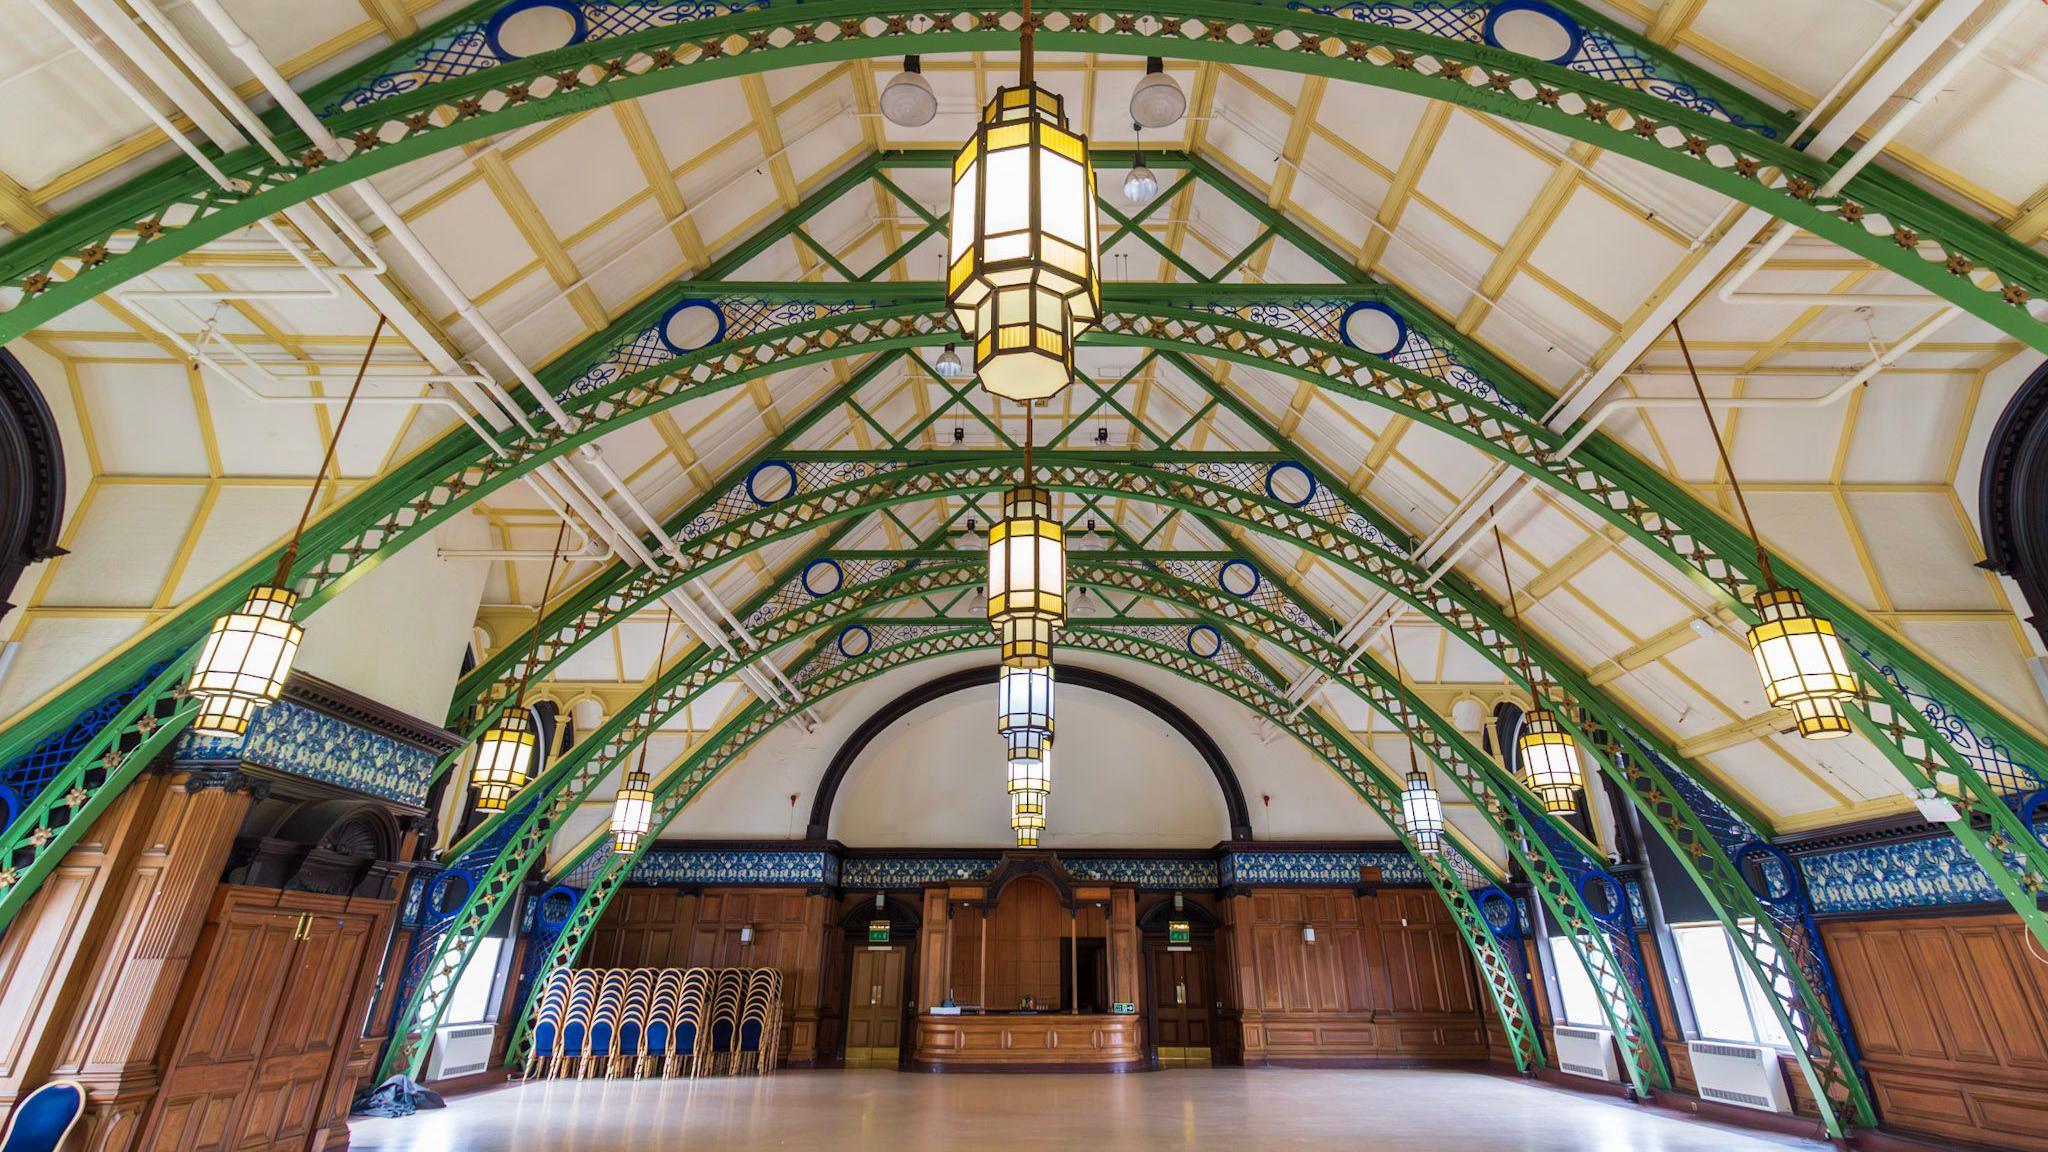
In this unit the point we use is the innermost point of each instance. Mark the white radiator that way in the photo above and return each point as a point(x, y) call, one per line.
point(1587, 1052)
point(459, 1050)
point(1740, 1074)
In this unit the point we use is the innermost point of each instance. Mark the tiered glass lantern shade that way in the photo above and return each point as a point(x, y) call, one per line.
point(247, 657)
point(632, 812)
point(227, 716)
point(1422, 814)
point(1821, 719)
point(1027, 577)
point(1797, 653)
point(1550, 762)
point(504, 756)
point(1024, 700)
point(1022, 279)
point(1030, 783)
point(1027, 817)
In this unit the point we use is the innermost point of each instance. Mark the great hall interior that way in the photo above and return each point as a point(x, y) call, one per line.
point(744, 574)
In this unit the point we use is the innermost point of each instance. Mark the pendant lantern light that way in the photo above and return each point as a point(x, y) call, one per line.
point(1797, 654)
point(633, 807)
point(507, 750)
point(1024, 700)
point(1141, 184)
point(249, 652)
point(1548, 756)
point(1030, 783)
point(1027, 571)
point(1422, 811)
point(1022, 279)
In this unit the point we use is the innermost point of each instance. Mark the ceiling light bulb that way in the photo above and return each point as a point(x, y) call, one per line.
point(907, 100)
point(1140, 185)
point(948, 364)
point(1157, 101)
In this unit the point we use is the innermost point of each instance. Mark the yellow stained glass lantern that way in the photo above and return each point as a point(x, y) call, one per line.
point(225, 716)
point(1550, 762)
point(1422, 814)
point(1822, 719)
point(632, 812)
point(1027, 817)
point(1024, 699)
point(247, 655)
point(1022, 279)
point(1797, 653)
point(504, 755)
point(1027, 576)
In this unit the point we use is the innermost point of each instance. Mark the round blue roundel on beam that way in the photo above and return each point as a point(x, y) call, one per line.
point(1205, 641)
point(1238, 578)
point(823, 577)
point(1500, 912)
point(1372, 328)
point(855, 640)
point(691, 324)
point(1603, 897)
point(447, 894)
point(1290, 483)
point(770, 482)
point(1769, 872)
point(1534, 29)
point(552, 910)
point(530, 27)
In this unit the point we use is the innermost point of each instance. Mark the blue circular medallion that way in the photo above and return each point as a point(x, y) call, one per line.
point(552, 910)
point(1603, 897)
point(770, 482)
point(855, 640)
point(691, 324)
point(1238, 578)
point(1372, 328)
point(1290, 483)
point(1534, 29)
point(1204, 641)
point(525, 28)
point(1768, 870)
point(1500, 912)
point(447, 893)
point(823, 577)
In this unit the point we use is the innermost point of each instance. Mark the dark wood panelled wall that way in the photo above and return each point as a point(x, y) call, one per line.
point(1952, 1015)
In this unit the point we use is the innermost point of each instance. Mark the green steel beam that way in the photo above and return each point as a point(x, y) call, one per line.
point(175, 208)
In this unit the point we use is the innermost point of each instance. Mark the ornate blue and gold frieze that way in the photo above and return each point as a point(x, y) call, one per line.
point(297, 739)
point(1268, 868)
point(805, 867)
point(1929, 872)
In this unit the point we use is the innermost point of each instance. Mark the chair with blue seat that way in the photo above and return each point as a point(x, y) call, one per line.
point(604, 1021)
point(721, 1048)
point(547, 1023)
point(760, 1022)
point(576, 1022)
point(43, 1118)
point(687, 1040)
point(663, 1002)
point(629, 1043)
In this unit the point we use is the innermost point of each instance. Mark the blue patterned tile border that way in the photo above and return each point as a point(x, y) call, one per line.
point(739, 866)
point(1146, 872)
point(1924, 873)
point(912, 871)
point(1318, 868)
point(290, 737)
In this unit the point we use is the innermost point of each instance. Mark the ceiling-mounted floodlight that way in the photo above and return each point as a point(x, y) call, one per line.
point(1157, 101)
point(1140, 185)
point(907, 99)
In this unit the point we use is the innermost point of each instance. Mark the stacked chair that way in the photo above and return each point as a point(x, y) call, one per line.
point(633, 1022)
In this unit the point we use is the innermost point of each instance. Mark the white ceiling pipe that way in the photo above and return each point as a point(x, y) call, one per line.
point(1922, 98)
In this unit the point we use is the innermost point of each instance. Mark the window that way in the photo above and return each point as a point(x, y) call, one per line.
point(1727, 1001)
point(1574, 988)
point(471, 1003)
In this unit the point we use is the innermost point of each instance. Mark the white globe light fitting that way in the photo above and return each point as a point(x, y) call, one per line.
point(907, 100)
point(1157, 101)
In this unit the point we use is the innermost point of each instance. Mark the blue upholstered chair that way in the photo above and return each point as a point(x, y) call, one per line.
point(760, 1021)
point(547, 1023)
point(43, 1118)
point(576, 1022)
point(687, 1041)
point(662, 1006)
point(604, 1020)
point(630, 1042)
point(720, 1052)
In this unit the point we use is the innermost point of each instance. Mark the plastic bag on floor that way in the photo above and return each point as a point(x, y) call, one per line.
point(398, 1096)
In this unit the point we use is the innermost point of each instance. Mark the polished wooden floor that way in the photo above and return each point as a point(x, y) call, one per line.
point(887, 1111)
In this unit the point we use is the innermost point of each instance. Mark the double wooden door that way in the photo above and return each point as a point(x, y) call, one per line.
point(874, 1010)
point(1183, 1006)
point(266, 1021)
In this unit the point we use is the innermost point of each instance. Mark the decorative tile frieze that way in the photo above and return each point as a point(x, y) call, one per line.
point(293, 738)
point(1264, 868)
point(1929, 872)
point(738, 866)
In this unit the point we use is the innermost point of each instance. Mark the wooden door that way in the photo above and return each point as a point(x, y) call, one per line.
point(874, 1012)
point(307, 1034)
point(226, 1012)
point(1183, 1006)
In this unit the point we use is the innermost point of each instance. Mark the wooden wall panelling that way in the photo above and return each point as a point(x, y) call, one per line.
point(1952, 1016)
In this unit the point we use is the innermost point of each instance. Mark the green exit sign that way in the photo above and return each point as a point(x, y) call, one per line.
point(878, 931)
point(1177, 931)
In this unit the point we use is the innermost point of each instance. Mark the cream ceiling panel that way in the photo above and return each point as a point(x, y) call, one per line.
point(143, 420)
point(243, 522)
point(1923, 551)
point(1806, 43)
point(124, 545)
point(1607, 255)
point(1482, 178)
point(1907, 428)
point(556, 172)
point(53, 649)
point(1808, 528)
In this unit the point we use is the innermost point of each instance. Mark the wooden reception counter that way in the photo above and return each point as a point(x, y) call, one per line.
point(1029, 1042)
